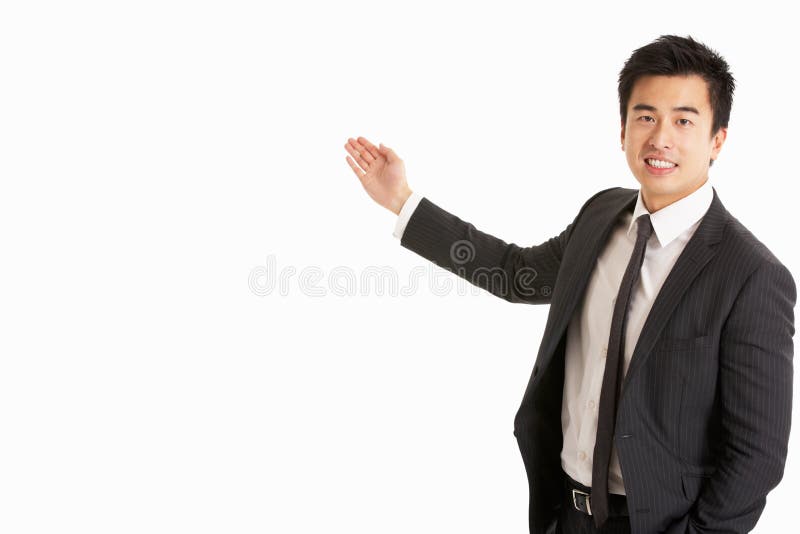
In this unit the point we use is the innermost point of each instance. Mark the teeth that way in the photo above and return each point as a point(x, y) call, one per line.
point(660, 164)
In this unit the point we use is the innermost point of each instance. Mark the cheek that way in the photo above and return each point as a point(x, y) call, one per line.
point(700, 153)
point(636, 137)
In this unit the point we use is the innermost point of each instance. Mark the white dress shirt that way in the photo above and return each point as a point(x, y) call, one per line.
point(590, 326)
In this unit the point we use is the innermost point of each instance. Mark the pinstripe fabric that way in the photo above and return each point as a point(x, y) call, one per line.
point(703, 419)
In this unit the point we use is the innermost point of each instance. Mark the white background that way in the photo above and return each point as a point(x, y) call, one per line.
point(154, 155)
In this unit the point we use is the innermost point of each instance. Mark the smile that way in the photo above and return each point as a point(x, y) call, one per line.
point(660, 164)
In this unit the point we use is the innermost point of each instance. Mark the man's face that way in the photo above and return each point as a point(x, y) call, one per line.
point(667, 137)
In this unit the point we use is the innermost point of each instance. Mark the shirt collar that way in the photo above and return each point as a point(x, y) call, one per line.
point(671, 221)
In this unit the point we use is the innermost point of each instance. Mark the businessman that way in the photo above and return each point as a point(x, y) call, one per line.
point(661, 396)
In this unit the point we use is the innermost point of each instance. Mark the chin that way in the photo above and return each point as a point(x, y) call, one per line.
point(655, 185)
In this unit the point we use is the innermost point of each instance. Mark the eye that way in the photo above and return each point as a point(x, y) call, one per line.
point(647, 118)
point(684, 122)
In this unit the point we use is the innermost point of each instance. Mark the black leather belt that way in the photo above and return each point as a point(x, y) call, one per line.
point(580, 497)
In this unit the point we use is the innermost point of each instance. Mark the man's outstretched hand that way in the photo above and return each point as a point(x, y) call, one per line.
point(380, 171)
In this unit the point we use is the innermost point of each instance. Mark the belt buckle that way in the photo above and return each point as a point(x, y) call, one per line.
point(586, 500)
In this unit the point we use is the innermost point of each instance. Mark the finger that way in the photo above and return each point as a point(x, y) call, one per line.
point(359, 173)
point(352, 148)
point(355, 151)
point(372, 148)
point(365, 152)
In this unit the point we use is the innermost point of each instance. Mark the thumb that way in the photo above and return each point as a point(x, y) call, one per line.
point(388, 152)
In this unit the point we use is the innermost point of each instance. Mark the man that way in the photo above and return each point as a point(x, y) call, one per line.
point(661, 396)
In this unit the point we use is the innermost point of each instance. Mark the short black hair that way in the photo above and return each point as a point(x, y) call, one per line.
point(671, 55)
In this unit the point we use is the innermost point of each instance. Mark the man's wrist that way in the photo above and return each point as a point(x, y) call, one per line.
point(400, 201)
point(406, 211)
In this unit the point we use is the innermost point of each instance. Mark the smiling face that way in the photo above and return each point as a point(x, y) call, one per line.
point(667, 137)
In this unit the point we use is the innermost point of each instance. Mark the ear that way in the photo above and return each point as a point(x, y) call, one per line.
point(717, 141)
point(622, 134)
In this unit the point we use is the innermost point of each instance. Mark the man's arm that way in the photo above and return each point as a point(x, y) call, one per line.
point(508, 271)
point(514, 273)
point(755, 386)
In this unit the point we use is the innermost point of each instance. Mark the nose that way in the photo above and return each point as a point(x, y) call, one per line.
point(661, 136)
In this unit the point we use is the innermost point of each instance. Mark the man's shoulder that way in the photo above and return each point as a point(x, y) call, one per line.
point(735, 233)
point(613, 193)
point(607, 200)
point(743, 251)
point(755, 263)
point(737, 236)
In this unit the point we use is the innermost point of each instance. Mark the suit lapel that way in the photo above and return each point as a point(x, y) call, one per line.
point(699, 250)
point(588, 242)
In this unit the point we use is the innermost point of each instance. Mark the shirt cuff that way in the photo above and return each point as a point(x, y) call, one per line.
point(405, 214)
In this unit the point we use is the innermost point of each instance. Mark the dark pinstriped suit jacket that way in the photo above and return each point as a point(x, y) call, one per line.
point(704, 415)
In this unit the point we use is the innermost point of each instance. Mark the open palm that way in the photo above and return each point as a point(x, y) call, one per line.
point(381, 172)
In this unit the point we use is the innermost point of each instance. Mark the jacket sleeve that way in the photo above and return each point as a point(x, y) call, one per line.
point(514, 273)
point(755, 388)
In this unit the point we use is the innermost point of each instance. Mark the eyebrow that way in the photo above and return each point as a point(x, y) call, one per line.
point(646, 107)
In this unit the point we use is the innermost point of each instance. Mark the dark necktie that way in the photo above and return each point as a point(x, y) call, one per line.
point(612, 379)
